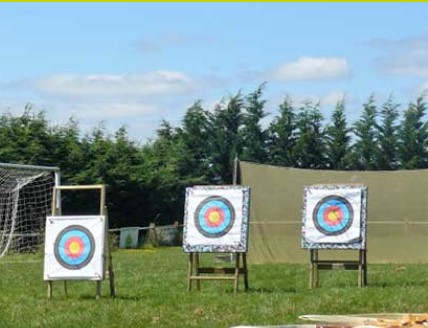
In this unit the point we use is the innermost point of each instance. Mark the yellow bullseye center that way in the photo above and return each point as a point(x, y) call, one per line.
point(214, 217)
point(333, 216)
point(74, 247)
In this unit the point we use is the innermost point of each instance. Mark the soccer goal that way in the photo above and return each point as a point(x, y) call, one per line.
point(25, 201)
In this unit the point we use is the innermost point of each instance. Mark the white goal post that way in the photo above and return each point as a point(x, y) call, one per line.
point(25, 201)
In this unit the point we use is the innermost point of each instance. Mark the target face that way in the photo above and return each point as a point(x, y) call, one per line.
point(214, 217)
point(74, 247)
point(333, 215)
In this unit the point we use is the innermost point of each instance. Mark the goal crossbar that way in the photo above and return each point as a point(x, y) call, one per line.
point(29, 167)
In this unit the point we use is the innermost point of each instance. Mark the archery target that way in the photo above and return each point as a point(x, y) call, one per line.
point(334, 216)
point(74, 247)
point(216, 219)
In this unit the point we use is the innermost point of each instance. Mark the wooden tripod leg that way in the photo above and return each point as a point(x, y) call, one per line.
point(190, 272)
point(198, 282)
point(111, 275)
point(245, 268)
point(362, 268)
point(237, 264)
point(365, 267)
point(65, 288)
point(313, 274)
point(50, 287)
point(311, 269)
point(317, 276)
point(98, 290)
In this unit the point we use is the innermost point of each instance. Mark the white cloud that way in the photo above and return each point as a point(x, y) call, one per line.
point(113, 85)
point(111, 110)
point(402, 57)
point(332, 98)
point(312, 68)
point(422, 88)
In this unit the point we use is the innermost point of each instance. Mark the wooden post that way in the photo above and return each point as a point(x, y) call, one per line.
point(244, 262)
point(98, 290)
point(236, 284)
point(197, 271)
point(235, 170)
point(313, 274)
point(189, 275)
point(65, 288)
point(107, 256)
point(365, 267)
point(362, 268)
point(50, 289)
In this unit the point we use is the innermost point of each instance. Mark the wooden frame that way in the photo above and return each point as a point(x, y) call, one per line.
point(316, 264)
point(108, 260)
point(329, 240)
point(225, 273)
point(198, 273)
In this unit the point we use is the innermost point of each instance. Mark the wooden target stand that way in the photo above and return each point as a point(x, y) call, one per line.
point(108, 260)
point(359, 264)
point(240, 268)
point(316, 264)
point(198, 273)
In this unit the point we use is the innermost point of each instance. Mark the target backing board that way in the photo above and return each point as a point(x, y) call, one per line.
point(74, 248)
point(216, 219)
point(334, 217)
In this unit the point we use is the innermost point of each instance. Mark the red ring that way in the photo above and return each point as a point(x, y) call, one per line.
point(211, 210)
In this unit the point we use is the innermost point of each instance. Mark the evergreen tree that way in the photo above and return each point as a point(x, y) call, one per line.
point(310, 146)
point(282, 135)
point(25, 139)
point(413, 136)
point(67, 152)
point(196, 137)
point(160, 173)
point(388, 134)
point(254, 138)
point(225, 141)
point(338, 139)
point(365, 151)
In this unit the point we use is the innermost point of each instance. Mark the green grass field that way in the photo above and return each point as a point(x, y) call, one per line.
point(151, 292)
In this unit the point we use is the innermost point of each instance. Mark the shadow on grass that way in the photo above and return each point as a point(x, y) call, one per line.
point(108, 297)
point(395, 284)
point(284, 290)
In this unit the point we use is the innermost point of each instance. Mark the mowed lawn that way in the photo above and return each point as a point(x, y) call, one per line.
point(151, 292)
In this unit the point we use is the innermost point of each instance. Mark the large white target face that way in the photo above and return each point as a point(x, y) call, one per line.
point(74, 247)
point(216, 219)
point(334, 216)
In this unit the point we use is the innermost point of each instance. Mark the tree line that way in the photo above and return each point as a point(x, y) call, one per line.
point(146, 182)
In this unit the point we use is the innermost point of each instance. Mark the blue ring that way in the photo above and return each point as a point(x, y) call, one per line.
point(229, 217)
point(83, 259)
point(323, 205)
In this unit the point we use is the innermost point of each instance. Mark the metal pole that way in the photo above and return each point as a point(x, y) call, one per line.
point(235, 170)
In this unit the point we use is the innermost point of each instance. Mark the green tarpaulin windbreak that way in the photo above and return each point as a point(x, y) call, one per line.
point(397, 217)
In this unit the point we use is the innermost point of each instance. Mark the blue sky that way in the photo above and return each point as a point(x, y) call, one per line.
point(135, 64)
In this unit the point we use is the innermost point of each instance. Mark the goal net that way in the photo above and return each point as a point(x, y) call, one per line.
point(25, 201)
